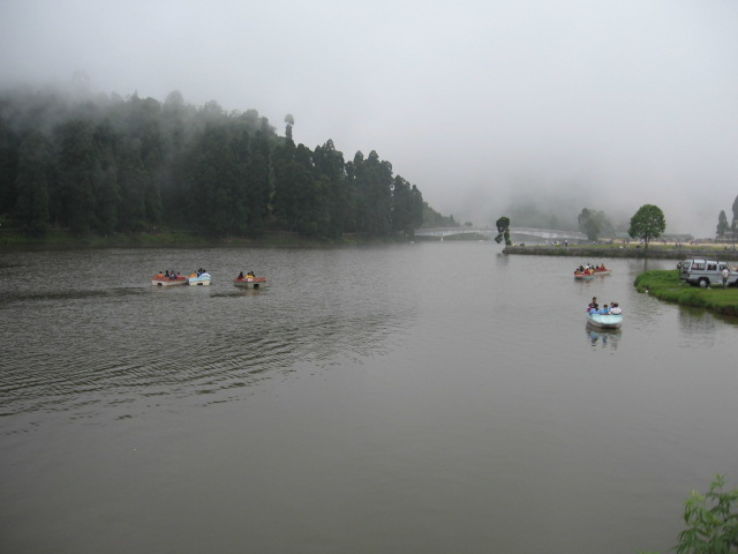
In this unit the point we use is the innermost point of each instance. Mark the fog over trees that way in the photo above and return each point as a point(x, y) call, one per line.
point(106, 164)
point(489, 107)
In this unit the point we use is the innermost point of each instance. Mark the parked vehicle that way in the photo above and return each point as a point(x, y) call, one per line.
point(706, 273)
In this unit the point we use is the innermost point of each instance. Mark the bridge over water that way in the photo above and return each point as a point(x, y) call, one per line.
point(518, 233)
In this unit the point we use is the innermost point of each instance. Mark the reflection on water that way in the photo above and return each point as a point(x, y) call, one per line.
point(238, 292)
point(603, 338)
point(71, 345)
point(20, 296)
point(698, 326)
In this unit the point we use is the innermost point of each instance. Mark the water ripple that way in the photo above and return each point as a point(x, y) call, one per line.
point(79, 348)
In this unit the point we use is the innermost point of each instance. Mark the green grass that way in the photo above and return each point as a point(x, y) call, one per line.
point(665, 285)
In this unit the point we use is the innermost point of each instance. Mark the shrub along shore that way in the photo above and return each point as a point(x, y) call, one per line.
point(594, 252)
point(666, 285)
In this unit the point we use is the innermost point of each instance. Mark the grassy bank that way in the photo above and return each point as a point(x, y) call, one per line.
point(60, 240)
point(665, 285)
point(597, 251)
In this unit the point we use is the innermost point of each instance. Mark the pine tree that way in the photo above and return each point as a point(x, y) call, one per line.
point(722, 225)
point(32, 183)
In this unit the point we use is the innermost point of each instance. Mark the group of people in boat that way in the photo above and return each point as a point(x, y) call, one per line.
point(613, 309)
point(249, 275)
point(589, 269)
point(168, 274)
point(199, 271)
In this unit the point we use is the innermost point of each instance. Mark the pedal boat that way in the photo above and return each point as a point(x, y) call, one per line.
point(199, 280)
point(605, 321)
point(161, 281)
point(584, 275)
point(250, 282)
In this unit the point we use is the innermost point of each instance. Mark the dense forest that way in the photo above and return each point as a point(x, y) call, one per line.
point(106, 164)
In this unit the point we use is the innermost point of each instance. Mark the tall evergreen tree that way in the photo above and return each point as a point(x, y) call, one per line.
point(401, 206)
point(286, 174)
point(132, 180)
point(289, 123)
point(32, 184)
point(9, 146)
point(331, 170)
point(105, 179)
point(75, 202)
point(375, 196)
point(722, 225)
point(259, 177)
point(354, 175)
point(417, 207)
point(213, 182)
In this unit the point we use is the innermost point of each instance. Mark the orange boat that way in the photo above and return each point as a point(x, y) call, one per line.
point(250, 281)
point(584, 275)
point(591, 272)
point(161, 280)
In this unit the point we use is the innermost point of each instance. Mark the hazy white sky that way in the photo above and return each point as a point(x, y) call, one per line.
point(611, 103)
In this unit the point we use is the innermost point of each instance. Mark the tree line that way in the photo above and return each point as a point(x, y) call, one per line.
point(108, 164)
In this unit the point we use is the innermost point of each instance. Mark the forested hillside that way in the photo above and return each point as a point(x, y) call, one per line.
point(108, 165)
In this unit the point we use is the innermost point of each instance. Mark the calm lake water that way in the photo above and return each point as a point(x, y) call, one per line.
point(428, 398)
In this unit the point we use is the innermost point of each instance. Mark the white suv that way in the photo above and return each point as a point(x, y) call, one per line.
point(705, 272)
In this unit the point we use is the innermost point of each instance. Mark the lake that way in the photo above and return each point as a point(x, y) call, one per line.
point(432, 397)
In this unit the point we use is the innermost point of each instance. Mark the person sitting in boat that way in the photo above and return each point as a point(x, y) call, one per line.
point(580, 268)
point(604, 311)
point(615, 309)
point(240, 275)
point(592, 304)
point(250, 275)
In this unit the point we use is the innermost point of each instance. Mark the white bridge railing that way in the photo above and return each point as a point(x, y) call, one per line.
point(545, 234)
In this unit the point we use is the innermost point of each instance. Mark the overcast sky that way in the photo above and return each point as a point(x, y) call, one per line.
point(612, 104)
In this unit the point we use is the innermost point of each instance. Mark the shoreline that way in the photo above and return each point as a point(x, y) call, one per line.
point(679, 252)
point(666, 285)
point(57, 241)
